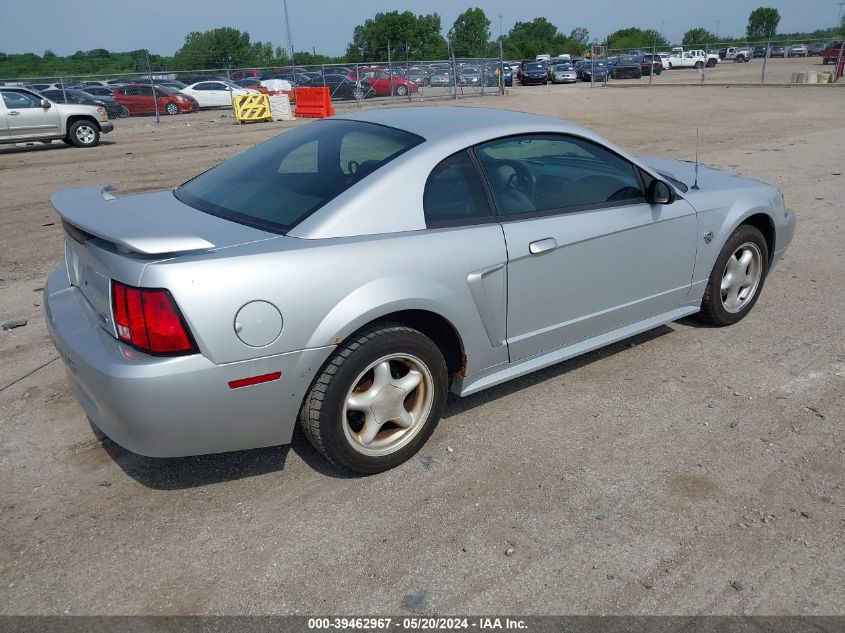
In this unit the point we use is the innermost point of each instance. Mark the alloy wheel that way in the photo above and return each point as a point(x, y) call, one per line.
point(388, 404)
point(741, 277)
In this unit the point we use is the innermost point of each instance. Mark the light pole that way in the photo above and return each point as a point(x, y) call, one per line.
point(500, 25)
point(717, 29)
point(839, 15)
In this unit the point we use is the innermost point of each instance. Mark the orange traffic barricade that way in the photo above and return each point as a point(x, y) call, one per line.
point(314, 103)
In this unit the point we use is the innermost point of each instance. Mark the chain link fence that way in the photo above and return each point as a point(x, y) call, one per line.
point(175, 92)
point(770, 62)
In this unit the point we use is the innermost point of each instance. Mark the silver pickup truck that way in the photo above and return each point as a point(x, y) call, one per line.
point(27, 116)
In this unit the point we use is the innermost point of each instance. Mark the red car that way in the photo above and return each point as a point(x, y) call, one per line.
point(646, 64)
point(138, 99)
point(380, 80)
point(831, 52)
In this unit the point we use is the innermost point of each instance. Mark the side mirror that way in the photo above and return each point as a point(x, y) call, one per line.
point(46, 104)
point(660, 193)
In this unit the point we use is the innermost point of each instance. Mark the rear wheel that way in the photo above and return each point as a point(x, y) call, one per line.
point(737, 277)
point(84, 134)
point(699, 65)
point(377, 399)
point(124, 112)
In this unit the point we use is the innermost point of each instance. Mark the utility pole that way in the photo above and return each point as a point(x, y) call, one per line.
point(152, 86)
point(839, 15)
point(287, 32)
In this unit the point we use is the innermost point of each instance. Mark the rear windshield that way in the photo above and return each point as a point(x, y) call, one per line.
point(279, 183)
point(534, 66)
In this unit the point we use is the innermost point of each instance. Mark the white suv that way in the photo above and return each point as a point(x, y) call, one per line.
point(27, 116)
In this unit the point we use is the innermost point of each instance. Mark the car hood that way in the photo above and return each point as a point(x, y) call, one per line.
point(710, 179)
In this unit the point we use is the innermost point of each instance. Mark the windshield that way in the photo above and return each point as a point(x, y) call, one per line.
point(279, 183)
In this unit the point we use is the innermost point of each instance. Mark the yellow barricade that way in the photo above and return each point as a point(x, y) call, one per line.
point(252, 107)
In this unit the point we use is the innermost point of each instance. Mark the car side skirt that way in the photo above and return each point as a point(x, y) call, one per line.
point(499, 374)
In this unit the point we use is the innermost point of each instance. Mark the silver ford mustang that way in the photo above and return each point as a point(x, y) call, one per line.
point(352, 271)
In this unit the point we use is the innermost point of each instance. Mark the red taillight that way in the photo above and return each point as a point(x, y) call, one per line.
point(148, 319)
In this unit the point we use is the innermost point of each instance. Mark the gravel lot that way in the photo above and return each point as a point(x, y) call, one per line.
point(643, 478)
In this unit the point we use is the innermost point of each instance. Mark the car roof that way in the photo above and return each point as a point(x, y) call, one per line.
point(432, 122)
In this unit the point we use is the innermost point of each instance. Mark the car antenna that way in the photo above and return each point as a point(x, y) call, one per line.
point(695, 185)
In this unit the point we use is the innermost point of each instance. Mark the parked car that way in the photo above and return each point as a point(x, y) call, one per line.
point(110, 104)
point(533, 73)
point(245, 73)
point(695, 58)
point(777, 51)
point(27, 116)
point(470, 76)
point(342, 87)
point(664, 60)
point(815, 50)
point(736, 54)
point(649, 62)
point(216, 94)
point(265, 290)
point(385, 83)
point(562, 73)
point(420, 75)
point(100, 91)
point(797, 50)
point(441, 77)
point(831, 52)
point(592, 70)
point(627, 67)
point(138, 99)
point(759, 52)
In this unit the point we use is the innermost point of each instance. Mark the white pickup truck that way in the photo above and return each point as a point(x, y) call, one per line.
point(695, 58)
point(737, 54)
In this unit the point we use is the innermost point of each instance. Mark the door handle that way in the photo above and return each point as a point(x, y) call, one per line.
point(13, 113)
point(541, 246)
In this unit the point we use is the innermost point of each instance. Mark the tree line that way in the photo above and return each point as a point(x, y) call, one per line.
point(399, 35)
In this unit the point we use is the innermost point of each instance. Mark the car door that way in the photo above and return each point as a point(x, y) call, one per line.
point(27, 118)
point(586, 253)
point(4, 124)
point(220, 93)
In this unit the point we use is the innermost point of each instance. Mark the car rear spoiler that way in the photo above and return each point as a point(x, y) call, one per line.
point(158, 230)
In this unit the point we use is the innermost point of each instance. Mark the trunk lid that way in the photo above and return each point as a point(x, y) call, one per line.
point(115, 237)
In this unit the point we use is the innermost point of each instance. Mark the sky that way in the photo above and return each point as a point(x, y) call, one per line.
point(65, 26)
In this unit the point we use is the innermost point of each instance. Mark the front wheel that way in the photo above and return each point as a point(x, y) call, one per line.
point(124, 112)
point(402, 91)
point(377, 400)
point(172, 108)
point(737, 277)
point(84, 134)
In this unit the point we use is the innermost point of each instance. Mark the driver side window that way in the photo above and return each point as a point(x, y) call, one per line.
point(544, 173)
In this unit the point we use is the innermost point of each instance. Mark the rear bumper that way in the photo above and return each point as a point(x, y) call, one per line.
point(783, 236)
point(172, 407)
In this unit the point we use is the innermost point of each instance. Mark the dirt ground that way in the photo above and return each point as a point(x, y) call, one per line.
point(689, 470)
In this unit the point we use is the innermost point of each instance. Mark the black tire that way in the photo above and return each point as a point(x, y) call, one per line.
point(124, 112)
point(699, 65)
point(401, 91)
point(711, 63)
point(84, 134)
point(172, 109)
point(321, 415)
point(712, 310)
